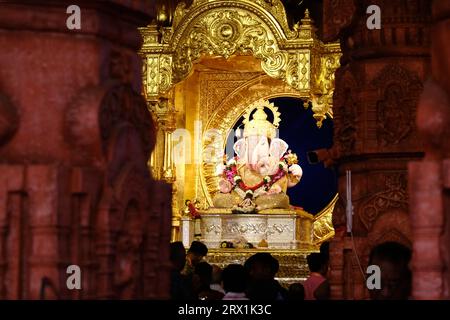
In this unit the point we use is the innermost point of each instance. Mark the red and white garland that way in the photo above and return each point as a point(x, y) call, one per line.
point(230, 174)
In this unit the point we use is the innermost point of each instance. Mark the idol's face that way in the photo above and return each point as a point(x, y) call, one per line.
point(257, 148)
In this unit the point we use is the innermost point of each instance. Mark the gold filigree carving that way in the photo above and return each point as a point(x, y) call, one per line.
point(323, 224)
point(276, 8)
point(323, 70)
point(157, 78)
point(250, 27)
point(224, 33)
point(217, 86)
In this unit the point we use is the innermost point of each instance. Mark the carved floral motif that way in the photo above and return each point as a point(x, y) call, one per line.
point(399, 92)
point(346, 113)
point(394, 196)
point(246, 228)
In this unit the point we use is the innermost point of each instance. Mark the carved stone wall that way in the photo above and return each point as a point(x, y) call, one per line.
point(429, 179)
point(75, 136)
point(377, 90)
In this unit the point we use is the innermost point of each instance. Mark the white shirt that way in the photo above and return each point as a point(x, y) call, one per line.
point(235, 296)
point(217, 287)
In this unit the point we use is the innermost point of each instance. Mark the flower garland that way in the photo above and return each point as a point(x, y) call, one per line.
point(231, 175)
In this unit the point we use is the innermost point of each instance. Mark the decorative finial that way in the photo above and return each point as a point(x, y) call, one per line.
point(162, 15)
point(307, 27)
point(306, 19)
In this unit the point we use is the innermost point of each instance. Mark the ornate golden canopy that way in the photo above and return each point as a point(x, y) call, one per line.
point(228, 27)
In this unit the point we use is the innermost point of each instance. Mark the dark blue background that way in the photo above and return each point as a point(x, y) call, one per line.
point(298, 128)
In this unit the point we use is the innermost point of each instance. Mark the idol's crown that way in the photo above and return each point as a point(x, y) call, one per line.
point(259, 125)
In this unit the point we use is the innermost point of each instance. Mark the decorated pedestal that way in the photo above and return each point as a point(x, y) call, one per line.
point(290, 235)
point(280, 229)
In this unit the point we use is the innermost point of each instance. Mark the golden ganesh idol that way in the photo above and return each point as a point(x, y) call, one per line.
point(258, 176)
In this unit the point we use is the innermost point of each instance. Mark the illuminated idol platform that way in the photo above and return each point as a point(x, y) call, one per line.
point(277, 229)
point(288, 235)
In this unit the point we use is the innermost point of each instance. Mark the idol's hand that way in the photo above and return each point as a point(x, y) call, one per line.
point(296, 170)
point(275, 189)
point(267, 166)
point(225, 186)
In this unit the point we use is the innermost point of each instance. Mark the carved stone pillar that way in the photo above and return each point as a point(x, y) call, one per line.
point(74, 147)
point(430, 178)
point(377, 90)
point(427, 219)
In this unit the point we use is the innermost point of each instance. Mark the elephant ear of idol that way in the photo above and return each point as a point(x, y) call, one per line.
point(278, 148)
point(239, 148)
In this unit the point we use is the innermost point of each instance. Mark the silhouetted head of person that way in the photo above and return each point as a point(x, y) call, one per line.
point(202, 276)
point(393, 260)
point(261, 266)
point(234, 278)
point(177, 255)
point(317, 262)
point(264, 290)
point(216, 274)
point(296, 292)
point(196, 252)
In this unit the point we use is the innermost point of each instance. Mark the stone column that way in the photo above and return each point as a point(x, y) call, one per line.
point(75, 136)
point(427, 221)
point(377, 90)
point(430, 178)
